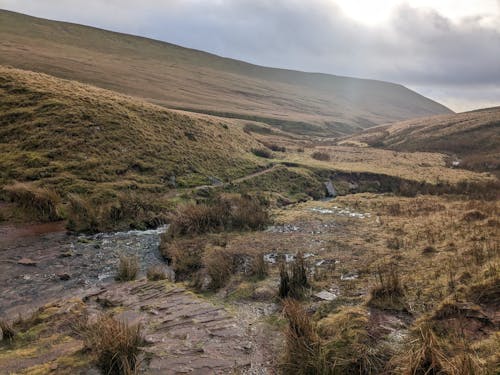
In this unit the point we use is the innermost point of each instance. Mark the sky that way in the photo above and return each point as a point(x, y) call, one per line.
point(448, 50)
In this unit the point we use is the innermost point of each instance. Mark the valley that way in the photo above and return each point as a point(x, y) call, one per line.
point(168, 211)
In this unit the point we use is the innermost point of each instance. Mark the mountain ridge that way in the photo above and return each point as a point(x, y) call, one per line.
point(179, 77)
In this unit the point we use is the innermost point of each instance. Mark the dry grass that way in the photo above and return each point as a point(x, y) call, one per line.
point(115, 345)
point(294, 282)
point(127, 268)
point(318, 155)
point(7, 331)
point(76, 139)
point(259, 267)
point(219, 265)
point(224, 213)
point(44, 203)
point(388, 294)
point(184, 255)
point(173, 76)
point(155, 273)
point(472, 136)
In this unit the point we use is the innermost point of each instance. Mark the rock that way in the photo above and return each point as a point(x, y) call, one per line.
point(27, 262)
point(330, 189)
point(325, 295)
point(64, 276)
point(215, 181)
point(263, 293)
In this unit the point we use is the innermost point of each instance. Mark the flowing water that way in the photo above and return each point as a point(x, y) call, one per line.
point(42, 262)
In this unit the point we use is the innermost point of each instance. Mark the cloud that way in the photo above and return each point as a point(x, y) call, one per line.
point(451, 60)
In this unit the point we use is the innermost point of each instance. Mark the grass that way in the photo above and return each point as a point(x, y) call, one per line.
point(7, 331)
point(471, 138)
point(156, 273)
point(43, 202)
point(62, 138)
point(115, 345)
point(223, 213)
point(388, 293)
point(128, 268)
point(293, 282)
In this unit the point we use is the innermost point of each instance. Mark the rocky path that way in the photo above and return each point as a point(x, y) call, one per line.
point(184, 333)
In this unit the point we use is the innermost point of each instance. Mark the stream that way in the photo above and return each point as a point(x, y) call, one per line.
point(41, 262)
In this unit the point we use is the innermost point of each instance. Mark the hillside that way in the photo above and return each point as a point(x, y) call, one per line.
point(472, 137)
point(79, 139)
point(177, 77)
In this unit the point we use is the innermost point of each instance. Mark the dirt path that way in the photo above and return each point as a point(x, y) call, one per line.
point(241, 179)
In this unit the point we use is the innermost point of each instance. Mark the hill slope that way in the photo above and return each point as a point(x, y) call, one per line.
point(173, 76)
point(78, 139)
point(474, 137)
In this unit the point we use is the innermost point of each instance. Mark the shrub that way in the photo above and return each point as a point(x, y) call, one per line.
point(275, 147)
point(127, 268)
point(262, 153)
point(115, 345)
point(42, 202)
point(319, 155)
point(156, 273)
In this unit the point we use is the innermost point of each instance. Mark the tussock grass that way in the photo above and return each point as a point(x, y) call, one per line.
point(259, 268)
point(320, 155)
point(221, 214)
point(219, 265)
point(128, 268)
point(184, 255)
point(294, 282)
point(115, 345)
point(43, 202)
point(7, 331)
point(388, 294)
point(155, 273)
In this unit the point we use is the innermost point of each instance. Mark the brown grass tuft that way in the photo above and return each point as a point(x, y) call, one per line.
point(42, 202)
point(115, 345)
point(319, 155)
point(7, 331)
point(156, 273)
point(388, 294)
point(219, 265)
point(127, 268)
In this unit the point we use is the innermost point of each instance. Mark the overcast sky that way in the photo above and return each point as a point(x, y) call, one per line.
point(448, 50)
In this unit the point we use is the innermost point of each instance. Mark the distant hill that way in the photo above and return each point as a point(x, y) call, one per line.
point(473, 137)
point(177, 77)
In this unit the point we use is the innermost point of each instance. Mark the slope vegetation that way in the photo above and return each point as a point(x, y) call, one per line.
point(473, 137)
point(78, 139)
point(176, 77)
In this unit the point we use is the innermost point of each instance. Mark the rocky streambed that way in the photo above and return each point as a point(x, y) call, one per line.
point(39, 263)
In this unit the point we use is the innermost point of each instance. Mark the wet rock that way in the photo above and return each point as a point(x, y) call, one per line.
point(325, 295)
point(263, 293)
point(330, 189)
point(27, 262)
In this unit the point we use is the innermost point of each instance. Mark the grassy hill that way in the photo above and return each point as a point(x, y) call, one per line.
point(177, 77)
point(77, 139)
point(473, 137)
